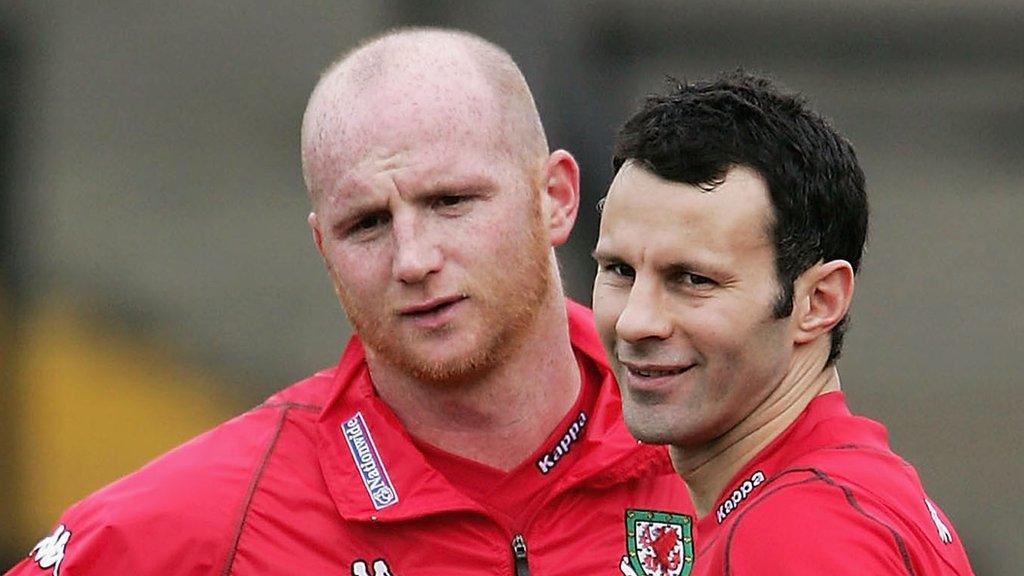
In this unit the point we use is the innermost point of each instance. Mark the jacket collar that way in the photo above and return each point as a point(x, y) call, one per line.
point(825, 423)
point(374, 472)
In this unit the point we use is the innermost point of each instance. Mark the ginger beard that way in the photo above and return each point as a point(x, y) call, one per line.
point(506, 294)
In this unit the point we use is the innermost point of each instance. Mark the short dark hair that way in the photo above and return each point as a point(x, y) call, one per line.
point(698, 131)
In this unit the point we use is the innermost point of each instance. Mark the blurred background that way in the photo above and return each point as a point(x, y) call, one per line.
point(157, 275)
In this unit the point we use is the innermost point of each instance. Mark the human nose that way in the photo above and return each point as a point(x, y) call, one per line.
point(643, 316)
point(417, 254)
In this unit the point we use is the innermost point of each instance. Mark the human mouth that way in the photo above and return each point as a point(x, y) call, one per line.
point(432, 313)
point(649, 376)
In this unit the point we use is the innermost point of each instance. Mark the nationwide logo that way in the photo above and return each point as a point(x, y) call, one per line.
point(546, 462)
point(364, 452)
point(49, 552)
point(657, 544)
point(739, 495)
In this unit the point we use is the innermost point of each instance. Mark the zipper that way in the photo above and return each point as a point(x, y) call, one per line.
point(519, 555)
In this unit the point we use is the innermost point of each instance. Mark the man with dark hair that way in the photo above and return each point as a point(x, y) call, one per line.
point(472, 425)
point(729, 242)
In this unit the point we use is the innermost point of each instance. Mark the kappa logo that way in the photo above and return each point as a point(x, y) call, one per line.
point(739, 495)
point(546, 462)
point(944, 534)
point(380, 568)
point(657, 544)
point(49, 552)
point(364, 452)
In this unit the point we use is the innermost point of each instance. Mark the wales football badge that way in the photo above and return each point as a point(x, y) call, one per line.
point(658, 544)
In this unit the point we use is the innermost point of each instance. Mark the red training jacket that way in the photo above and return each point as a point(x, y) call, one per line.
point(322, 479)
point(828, 496)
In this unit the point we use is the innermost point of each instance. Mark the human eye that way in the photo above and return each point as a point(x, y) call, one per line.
point(367, 224)
point(618, 270)
point(696, 281)
point(451, 203)
point(448, 200)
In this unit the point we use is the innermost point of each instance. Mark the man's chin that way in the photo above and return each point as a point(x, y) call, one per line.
point(647, 427)
point(450, 371)
point(438, 363)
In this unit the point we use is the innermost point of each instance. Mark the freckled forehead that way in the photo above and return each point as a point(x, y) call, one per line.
point(399, 112)
point(408, 170)
point(420, 131)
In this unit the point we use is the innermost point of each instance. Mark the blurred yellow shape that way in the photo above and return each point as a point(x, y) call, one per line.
point(94, 403)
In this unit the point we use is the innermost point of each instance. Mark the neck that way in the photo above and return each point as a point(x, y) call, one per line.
point(500, 418)
point(708, 468)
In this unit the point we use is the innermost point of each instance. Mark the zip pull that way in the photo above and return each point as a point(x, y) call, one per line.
point(519, 555)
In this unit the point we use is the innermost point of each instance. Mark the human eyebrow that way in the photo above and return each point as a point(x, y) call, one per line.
point(467, 191)
point(603, 255)
point(474, 186)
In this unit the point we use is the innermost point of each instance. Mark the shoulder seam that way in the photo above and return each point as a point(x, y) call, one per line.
point(819, 476)
point(288, 404)
point(253, 483)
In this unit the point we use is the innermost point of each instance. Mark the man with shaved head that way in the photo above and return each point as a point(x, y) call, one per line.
point(472, 425)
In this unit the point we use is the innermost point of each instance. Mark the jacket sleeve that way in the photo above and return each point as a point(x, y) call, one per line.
point(131, 527)
point(179, 515)
point(81, 545)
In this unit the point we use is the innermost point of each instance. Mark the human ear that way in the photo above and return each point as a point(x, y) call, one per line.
point(314, 227)
point(560, 196)
point(826, 291)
